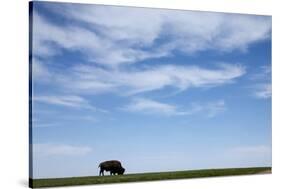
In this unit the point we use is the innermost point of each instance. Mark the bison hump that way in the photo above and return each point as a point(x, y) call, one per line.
point(110, 164)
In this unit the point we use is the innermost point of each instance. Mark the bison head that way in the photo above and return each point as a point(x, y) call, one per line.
point(122, 171)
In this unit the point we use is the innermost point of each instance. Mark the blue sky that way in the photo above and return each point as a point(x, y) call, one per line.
point(157, 89)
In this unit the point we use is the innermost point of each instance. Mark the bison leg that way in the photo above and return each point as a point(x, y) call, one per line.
point(101, 172)
point(112, 173)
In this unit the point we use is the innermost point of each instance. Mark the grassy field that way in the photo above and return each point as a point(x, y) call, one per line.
point(36, 183)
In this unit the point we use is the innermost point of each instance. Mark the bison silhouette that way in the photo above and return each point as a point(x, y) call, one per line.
point(113, 166)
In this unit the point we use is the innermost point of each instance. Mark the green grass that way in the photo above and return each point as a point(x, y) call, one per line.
point(36, 183)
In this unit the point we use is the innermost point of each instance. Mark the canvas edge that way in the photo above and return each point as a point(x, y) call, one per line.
point(30, 181)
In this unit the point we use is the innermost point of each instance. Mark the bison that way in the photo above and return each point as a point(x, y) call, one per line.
point(113, 166)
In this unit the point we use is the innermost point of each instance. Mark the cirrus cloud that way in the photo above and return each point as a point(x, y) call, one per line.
point(148, 106)
point(262, 89)
point(112, 36)
point(89, 79)
point(71, 101)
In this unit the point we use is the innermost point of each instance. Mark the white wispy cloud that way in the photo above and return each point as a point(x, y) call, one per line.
point(68, 101)
point(62, 121)
point(89, 79)
point(39, 71)
point(262, 87)
point(211, 109)
point(201, 29)
point(48, 149)
point(148, 106)
point(50, 38)
point(43, 125)
point(117, 35)
point(73, 101)
point(72, 38)
point(263, 91)
point(132, 36)
point(264, 73)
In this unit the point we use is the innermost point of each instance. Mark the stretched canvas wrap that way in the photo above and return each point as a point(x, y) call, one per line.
point(123, 94)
